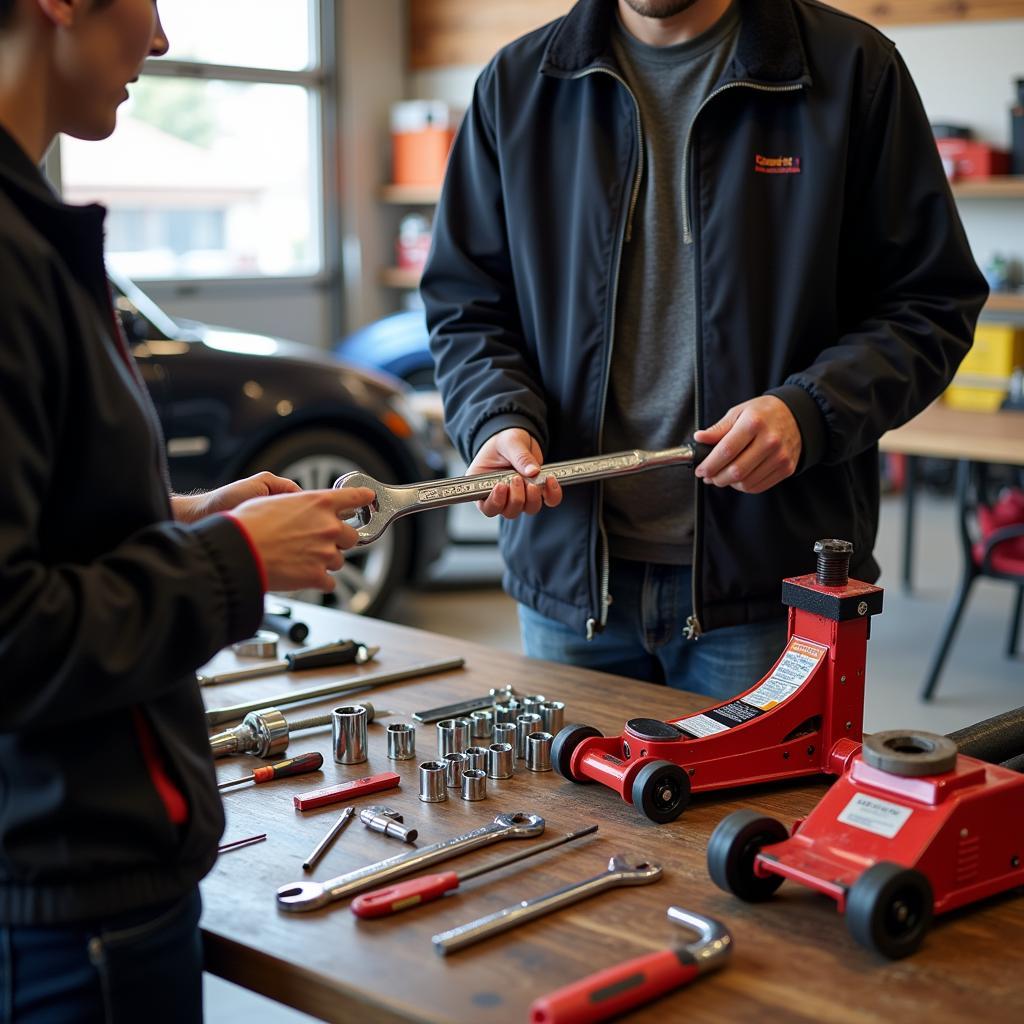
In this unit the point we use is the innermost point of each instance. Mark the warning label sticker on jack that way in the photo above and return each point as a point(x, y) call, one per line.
point(795, 667)
point(874, 815)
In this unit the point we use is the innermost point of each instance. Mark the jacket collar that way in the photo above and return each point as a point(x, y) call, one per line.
point(76, 232)
point(769, 48)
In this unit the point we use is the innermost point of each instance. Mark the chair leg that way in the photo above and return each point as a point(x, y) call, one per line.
point(946, 637)
point(1018, 607)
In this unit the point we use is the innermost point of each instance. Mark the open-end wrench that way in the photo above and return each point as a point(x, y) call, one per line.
point(301, 896)
point(391, 502)
point(621, 871)
point(633, 983)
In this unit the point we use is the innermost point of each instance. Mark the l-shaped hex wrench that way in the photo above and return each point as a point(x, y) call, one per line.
point(391, 502)
point(301, 896)
point(638, 981)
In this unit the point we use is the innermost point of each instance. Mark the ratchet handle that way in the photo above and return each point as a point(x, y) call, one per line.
point(292, 766)
point(615, 990)
point(341, 652)
point(393, 898)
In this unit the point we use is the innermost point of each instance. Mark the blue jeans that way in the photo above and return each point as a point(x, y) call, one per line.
point(142, 966)
point(643, 638)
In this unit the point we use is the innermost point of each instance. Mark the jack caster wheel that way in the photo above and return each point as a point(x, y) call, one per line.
point(734, 844)
point(889, 909)
point(564, 745)
point(661, 791)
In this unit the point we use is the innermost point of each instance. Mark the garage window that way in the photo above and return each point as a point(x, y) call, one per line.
point(217, 164)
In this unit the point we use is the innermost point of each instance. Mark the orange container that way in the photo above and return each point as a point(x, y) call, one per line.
point(419, 157)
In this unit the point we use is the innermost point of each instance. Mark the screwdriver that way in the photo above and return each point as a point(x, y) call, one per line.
point(393, 898)
point(341, 652)
point(301, 765)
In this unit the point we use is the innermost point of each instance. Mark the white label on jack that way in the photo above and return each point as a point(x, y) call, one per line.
point(874, 815)
point(701, 725)
point(793, 670)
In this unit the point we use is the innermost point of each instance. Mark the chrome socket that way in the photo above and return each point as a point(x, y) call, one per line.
point(552, 714)
point(474, 784)
point(501, 760)
point(507, 712)
point(476, 758)
point(532, 703)
point(432, 785)
point(504, 732)
point(401, 742)
point(525, 724)
point(452, 736)
point(483, 723)
point(538, 751)
point(454, 766)
point(348, 731)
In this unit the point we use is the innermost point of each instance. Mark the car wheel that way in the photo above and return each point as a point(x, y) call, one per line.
point(314, 459)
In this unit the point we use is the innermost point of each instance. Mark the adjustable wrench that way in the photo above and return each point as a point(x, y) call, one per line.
point(621, 871)
point(390, 502)
point(302, 896)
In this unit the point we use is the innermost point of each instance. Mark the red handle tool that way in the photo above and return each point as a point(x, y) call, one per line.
point(280, 770)
point(412, 893)
point(636, 982)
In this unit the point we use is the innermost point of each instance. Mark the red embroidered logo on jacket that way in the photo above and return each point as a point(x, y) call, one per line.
point(776, 164)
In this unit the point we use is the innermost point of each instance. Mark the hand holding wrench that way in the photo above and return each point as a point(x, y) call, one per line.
point(621, 871)
point(390, 502)
point(301, 896)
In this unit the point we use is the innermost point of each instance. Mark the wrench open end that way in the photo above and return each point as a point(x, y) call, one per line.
point(300, 896)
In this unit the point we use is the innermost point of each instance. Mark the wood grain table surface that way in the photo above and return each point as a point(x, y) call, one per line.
point(942, 432)
point(793, 959)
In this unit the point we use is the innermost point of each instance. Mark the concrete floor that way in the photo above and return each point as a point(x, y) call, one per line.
point(466, 601)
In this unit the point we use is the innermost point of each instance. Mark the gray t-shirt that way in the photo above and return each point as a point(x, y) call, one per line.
point(651, 403)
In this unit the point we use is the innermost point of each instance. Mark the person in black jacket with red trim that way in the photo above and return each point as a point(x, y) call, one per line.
point(112, 591)
point(660, 215)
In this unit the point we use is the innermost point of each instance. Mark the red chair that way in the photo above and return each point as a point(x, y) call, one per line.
point(992, 535)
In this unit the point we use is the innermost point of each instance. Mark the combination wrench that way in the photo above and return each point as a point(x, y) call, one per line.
point(302, 896)
point(392, 502)
point(621, 871)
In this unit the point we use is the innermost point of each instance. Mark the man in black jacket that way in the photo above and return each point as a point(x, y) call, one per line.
point(112, 592)
point(662, 214)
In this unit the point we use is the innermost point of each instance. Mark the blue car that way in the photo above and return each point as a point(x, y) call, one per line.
point(397, 344)
point(232, 404)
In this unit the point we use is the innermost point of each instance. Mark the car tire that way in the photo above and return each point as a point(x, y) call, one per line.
point(314, 459)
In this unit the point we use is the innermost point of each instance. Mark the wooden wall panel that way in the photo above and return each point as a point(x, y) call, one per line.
point(446, 33)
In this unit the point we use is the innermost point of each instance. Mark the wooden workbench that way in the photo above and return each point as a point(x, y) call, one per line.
point(793, 959)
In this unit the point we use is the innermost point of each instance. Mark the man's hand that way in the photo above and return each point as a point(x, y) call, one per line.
point(756, 444)
point(514, 449)
point(300, 537)
point(188, 508)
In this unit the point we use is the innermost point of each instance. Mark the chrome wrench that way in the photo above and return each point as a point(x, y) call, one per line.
point(392, 502)
point(621, 871)
point(302, 896)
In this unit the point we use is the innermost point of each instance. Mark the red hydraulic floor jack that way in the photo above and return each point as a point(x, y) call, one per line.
point(915, 827)
point(803, 718)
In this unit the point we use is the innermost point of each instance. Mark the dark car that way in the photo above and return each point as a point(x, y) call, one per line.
point(397, 344)
point(233, 403)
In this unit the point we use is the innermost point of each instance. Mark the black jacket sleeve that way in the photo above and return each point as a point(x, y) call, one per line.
point(80, 638)
point(911, 294)
point(468, 289)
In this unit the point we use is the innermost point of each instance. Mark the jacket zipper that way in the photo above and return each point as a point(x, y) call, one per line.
point(594, 625)
point(693, 629)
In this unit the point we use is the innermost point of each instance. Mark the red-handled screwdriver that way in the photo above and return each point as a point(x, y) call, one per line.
point(635, 982)
point(393, 898)
point(300, 765)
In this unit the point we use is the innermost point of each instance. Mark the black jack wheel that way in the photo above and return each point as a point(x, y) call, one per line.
point(564, 745)
point(661, 791)
point(889, 909)
point(735, 842)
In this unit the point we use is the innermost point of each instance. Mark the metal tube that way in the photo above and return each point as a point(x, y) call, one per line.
point(432, 787)
point(500, 760)
point(552, 713)
point(455, 766)
point(538, 751)
point(401, 742)
point(348, 730)
point(525, 724)
point(333, 689)
point(474, 784)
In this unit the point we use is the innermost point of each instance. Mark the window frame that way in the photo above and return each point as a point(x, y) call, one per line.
point(320, 81)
